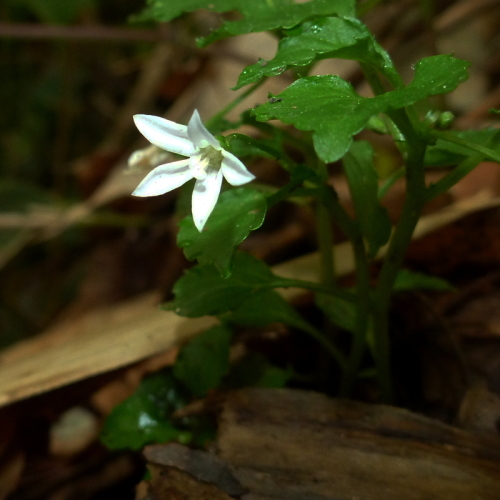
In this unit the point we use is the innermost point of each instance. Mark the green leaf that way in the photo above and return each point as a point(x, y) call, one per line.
point(144, 417)
point(258, 15)
point(237, 212)
point(410, 280)
point(344, 112)
point(267, 307)
point(202, 291)
point(338, 311)
point(203, 362)
point(331, 37)
point(255, 370)
point(363, 183)
point(445, 153)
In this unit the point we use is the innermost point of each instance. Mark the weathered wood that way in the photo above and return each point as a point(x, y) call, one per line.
point(296, 445)
point(299, 445)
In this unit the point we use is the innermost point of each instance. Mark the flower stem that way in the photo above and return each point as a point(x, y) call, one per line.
point(408, 125)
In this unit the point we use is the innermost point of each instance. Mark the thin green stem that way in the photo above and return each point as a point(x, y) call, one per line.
point(458, 173)
point(363, 310)
point(315, 287)
point(415, 199)
point(362, 297)
point(325, 235)
point(325, 342)
point(488, 153)
point(224, 111)
point(325, 242)
point(408, 124)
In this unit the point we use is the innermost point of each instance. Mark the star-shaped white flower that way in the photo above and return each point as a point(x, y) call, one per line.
point(208, 162)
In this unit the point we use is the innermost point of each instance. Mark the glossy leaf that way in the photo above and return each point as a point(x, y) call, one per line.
point(203, 362)
point(144, 417)
point(344, 112)
point(237, 213)
point(331, 37)
point(363, 183)
point(202, 291)
point(258, 15)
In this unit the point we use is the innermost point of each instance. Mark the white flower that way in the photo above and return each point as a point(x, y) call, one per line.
point(208, 162)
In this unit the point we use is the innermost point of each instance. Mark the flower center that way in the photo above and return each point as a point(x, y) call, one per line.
point(206, 161)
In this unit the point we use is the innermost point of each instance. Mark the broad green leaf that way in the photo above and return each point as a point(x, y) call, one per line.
point(258, 15)
point(410, 280)
point(144, 417)
point(445, 153)
point(331, 37)
point(267, 307)
point(344, 113)
point(203, 362)
point(363, 184)
point(203, 292)
point(338, 311)
point(255, 370)
point(237, 212)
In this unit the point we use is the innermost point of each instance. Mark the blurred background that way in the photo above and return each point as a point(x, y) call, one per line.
point(73, 241)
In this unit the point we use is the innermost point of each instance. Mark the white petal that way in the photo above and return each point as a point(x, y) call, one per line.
point(165, 134)
point(197, 132)
point(234, 170)
point(164, 178)
point(205, 194)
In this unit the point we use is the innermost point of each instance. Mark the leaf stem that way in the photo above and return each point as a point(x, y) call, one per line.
point(488, 153)
point(224, 111)
point(311, 285)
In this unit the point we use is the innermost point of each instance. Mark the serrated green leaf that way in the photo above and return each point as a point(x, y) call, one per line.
point(338, 311)
point(238, 212)
point(363, 183)
point(410, 280)
point(144, 417)
point(203, 292)
point(258, 15)
point(203, 362)
point(344, 112)
point(331, 37)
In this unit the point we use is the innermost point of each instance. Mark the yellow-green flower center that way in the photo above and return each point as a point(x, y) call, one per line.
point(206, 161)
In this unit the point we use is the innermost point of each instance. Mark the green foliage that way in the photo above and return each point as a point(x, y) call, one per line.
point(202, 291)
point(339, 312)
point(363, 184)
point(237, 213)
point(145, 416)
point(324, 38)
point(258, 15)
point(256, 371)
point(345, 113)
point(264, 307)
point(411, 280)
point(445, 153)
point(203, 362)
